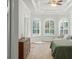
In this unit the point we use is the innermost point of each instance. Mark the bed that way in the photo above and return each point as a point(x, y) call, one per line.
point(61, 49)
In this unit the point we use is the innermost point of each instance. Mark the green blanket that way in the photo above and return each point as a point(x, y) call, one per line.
point(61, 49)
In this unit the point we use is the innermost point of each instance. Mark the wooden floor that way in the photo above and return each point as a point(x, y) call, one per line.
point(40, 51)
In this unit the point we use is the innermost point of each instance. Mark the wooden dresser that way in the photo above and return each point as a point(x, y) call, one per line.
point(24, 48)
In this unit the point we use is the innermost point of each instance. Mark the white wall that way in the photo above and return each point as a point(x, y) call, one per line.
point(24, 16)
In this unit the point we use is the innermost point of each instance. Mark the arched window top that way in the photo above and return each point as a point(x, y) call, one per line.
point(64, 20)
point(49, 19)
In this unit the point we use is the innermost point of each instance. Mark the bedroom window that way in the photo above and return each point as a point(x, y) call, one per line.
point(64, 27)
point(49, 27)
point(36, 27)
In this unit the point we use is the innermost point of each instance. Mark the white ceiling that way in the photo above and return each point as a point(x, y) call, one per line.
point(42, 7)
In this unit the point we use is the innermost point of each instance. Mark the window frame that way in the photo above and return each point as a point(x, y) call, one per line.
point(49, 34)
point(63, 21)
point(38, 20)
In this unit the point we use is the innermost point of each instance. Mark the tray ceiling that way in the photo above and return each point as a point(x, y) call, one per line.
point(42, 6)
